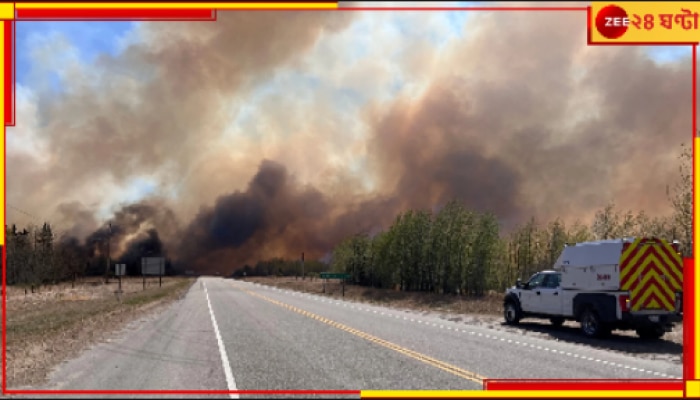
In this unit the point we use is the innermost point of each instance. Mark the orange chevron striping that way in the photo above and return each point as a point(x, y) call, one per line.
point(652, 295)
point(637, 250)
point(652, 279)
point(652, 264)
point(652, 290)
point(675, 263)
point(671, 258)
point(627, 250)
point(671, 280)
point(652, 303)
point(633, 259)
point(639, 300)
point(630, 270)
point(650, 259)
point(672, 253)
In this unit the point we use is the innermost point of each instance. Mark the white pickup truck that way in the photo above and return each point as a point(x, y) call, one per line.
point(610, 284)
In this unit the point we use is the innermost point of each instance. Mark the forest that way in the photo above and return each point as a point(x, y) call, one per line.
point(457, 250)
point(454, 250)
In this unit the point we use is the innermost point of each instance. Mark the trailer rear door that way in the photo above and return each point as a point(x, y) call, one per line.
point(652, 270)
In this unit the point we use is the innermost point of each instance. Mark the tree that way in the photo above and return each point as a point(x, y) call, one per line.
point(606, 223)
point(483, 254)
point(557, 240)
point(578, 232)
point(682, 201)
point(381, 260)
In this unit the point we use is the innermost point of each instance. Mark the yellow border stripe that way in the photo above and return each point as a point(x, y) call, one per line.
point(218, 6)
point(692, 389)
point(4, 129)
point(518, 393)
point(696, 254)
point(7, 11)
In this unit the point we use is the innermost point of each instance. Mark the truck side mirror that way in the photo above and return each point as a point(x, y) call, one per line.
point(518, 283)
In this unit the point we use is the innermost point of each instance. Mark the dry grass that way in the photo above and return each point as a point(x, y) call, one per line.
point(490, 304)
point(56, 323)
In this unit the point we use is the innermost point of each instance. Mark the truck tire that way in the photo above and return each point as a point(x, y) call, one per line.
point(557, 321)
point(512, 312)
point(591, 324)
point(651, 332)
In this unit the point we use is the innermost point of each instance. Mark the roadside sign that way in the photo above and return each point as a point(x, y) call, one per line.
point(334, 275)
point(120, 269)
point(153, 266)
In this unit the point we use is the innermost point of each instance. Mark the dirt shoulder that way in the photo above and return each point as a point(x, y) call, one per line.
point(56, 323)
point(487, 312)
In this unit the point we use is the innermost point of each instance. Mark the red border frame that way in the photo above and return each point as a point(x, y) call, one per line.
point(210, 15)
point(126, 14)
point(9, 27)
point(582, 384)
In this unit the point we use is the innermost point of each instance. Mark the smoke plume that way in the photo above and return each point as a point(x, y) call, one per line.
point(268, 134)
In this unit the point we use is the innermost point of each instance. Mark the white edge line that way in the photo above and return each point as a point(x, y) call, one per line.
point(222, 350)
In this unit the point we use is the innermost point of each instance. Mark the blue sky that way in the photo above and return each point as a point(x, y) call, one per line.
point(90, 39)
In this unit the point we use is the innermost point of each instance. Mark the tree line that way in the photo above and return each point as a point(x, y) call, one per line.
point(36, 256)
point(282, 267)
point(460, 251)
point(454, 250)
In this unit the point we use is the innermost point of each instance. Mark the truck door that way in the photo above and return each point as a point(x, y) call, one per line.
point(549, 295)
point(530, 294)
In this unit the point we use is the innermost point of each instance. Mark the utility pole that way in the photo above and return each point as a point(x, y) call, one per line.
point(109, 259)
point(302, 266)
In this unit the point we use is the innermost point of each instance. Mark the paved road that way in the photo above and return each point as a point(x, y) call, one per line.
point(233, 335)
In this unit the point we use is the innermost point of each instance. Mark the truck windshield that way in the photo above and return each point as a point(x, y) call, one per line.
point(536, 280)
point(552, 280)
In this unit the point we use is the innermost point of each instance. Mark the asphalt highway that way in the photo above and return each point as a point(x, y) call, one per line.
point(227, 335)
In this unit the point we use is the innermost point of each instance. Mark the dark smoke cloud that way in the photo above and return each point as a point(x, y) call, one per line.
point(146, 244)
point(512, 119)
point(273, 214)
point(426, 160)
point(155, 108)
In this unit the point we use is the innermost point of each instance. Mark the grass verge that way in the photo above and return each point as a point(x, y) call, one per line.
point(489, 304)
point(48, 328)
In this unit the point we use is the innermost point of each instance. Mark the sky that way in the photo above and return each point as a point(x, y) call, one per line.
point(342, 119)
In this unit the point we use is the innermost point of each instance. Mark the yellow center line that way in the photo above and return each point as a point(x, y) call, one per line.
point(462, 373)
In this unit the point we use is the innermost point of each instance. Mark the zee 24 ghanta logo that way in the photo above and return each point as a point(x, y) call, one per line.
point(613, 21)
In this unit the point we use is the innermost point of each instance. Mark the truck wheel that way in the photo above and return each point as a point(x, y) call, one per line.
point(591, 324)
point(651, 332)
point(556, 321)
point(512, 313)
